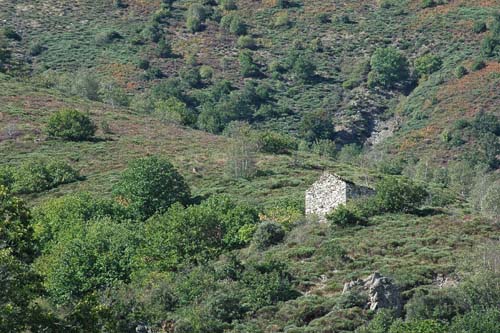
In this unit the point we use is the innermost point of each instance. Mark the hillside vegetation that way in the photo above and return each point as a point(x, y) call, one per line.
point(154, 157)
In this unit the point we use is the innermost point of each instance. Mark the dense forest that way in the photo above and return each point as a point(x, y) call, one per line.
point(155, 154)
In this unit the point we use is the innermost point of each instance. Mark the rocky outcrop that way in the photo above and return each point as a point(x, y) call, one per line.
point(381, 291)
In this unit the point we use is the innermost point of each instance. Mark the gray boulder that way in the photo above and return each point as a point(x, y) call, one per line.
point(382, 292)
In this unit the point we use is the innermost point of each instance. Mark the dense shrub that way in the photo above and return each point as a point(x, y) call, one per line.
point(107, 37)
point(317, 125)
point(477, 321)
point(478, 64)
point(304, 68)
point(40, 175)
point(228, 4)
point(268, 234)
point(276, 143)
point(428, 3)
point(143, 63)
point(427, 64)
point(350, 153)
point(418, 326)
point(173, 110)
point(282, 20)
point(195, 17)
point(152, 32)
point(150, 185)
point(436, 305)
point(380, 323)
point(5, 54)
point(36, 49)
point(234, 24)
point(248, 67)
point(246, 42)
point(153, 73)
point(267, 283)
point(479, 27)
point(11, 33)
point(164, 49)
point(206, 72)
point(6, 176)
point(460, 72)
point(193, 24)
point(345, 216)
point(490, 45)
point(389, 67)
point(396, 194)
point(114, 95)
point(86, 85)
point(71, 124)
point(191, 76)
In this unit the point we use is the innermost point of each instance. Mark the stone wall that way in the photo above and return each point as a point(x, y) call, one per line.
point(329, 192)
point(325, 195)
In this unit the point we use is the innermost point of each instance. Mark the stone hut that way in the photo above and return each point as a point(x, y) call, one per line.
point(329, 192)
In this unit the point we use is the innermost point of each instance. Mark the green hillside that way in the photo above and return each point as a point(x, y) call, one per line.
point(154, 157)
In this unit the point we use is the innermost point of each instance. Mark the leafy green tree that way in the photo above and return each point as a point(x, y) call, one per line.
point(150, 185)
point(59, 214)
point(389, 67)
point(20, 286)
point(16, 232)
point(71, 124)
point(196, 233)
point(19, 283)
point(86, 258)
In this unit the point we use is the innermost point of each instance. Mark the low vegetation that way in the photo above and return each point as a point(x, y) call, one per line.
point(154, 157)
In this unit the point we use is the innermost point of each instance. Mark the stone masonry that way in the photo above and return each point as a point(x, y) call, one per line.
point(329, 192)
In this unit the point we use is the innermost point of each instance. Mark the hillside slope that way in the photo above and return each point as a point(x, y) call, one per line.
point(182, 209)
